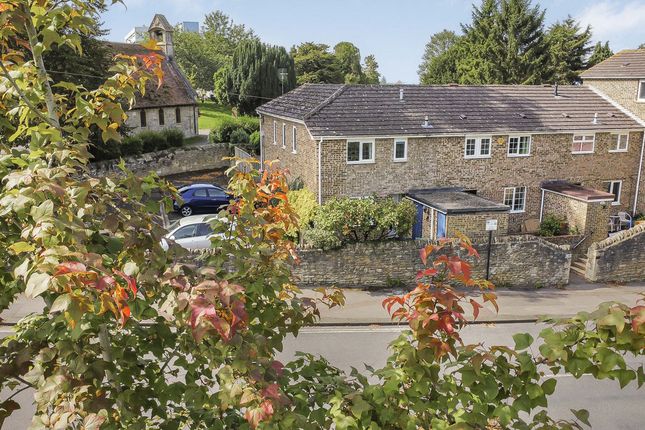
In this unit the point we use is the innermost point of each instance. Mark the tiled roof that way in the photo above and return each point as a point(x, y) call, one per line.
point(160, 21)
point(627, 64)
point(175, 90)
point(376, 110)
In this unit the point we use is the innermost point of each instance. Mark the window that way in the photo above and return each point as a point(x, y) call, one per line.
point(400, 149)
point(515, 198)
point(293, 139)
point(200, 192)
point(360, 151)
point(641, 91)
point(162, 120)
point(177, 115)
point(185, 232)
point(203, 229)
point(619, 142)
point(275, 132)
point(477, 147)
point(216, 193)
point(519, 146)
point(614, 187)
point(284, 135)
point(583, 143)
point(144, 121)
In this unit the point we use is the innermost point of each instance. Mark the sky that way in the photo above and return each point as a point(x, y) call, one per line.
point(394, 31)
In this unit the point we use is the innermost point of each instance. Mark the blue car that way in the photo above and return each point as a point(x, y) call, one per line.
point(204, 198)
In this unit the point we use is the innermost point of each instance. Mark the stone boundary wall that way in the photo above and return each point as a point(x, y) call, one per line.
point(516, 261)
point(619, 258)
point(169, 161)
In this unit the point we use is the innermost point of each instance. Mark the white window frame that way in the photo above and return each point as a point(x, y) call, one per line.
point(284, 136)
point(405, 149)
point(638, 91)
point(516, 211)
point(593, 143)
point(620, 191)
point(293, 139)
point(361, 142)
point(275, 133)
point(617, 147)
point(518, 136)
point(478, 147)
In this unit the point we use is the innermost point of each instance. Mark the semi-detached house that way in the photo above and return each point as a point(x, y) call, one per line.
point(463, 154)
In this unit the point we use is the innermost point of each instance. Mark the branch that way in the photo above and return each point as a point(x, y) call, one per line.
point(22, 95)
point(18, 392)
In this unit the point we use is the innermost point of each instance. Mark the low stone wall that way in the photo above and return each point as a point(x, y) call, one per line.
point(170, 161)
point(620, 257)
point(516, 261)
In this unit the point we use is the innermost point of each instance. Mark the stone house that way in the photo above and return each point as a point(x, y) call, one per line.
point(174, 104)
point(504, 144)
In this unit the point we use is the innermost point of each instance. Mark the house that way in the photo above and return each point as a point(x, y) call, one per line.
point(174, 104)
point(507, 144)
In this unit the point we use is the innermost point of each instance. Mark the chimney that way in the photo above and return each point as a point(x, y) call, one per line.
point(555, 90)
point(401, 94)
point(426, 124)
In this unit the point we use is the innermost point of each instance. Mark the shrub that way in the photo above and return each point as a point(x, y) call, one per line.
point(304, 204)
point(254, 142)
point(105, 150)
point(551, 225)
point(222, 132)
point(131, 145)
point(153, 141)
point(296, 184)
point(361, 220)
point(174, 137)
point(239, 136)
point(322, 239)
point(250, 124)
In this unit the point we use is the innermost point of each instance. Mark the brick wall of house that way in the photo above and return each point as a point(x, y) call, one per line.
point(619, 258)
point(474, 225)
point(303, 163)
point(517, 261)
point(572, 210)
point(187, 117)
point(440, 162)
point(622, 91)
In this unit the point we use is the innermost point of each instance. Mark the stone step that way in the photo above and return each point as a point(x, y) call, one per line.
point(579, 264)
point(578, 270)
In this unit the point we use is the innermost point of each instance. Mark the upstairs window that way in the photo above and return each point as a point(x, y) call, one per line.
point(284, 135)
point(619, 142)
point(293, 139)
point(641, 91)
point(177, 115)
point(400, 149)
point(614, 187)
point(144, 121)
point(275, 132)
point(515, 198)
point(477, 147)
point(519, 146)
point(583, 144)
point(360, 151)
point(162, 120)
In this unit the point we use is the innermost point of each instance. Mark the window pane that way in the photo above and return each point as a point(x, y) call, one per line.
point(203, 229)
point(353, 149)
point(399, 149)
point(293, 138)
point(508, 197)
point(185, 232)
point(216, 193)
point(641, 91)
point(524, 145)
point(143, 118)
point(161, 117)
point(622, 142)
point(470, 147)
point(484, 147)
point(367, 151)
point(513, 144)
point(177, 115)
point(587, 147)
point(200, 193)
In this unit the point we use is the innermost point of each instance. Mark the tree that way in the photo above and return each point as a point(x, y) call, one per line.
point(641, 46)
point(439, 66)
point(315, 64)
point(348, 57)
point(371, 74)
point(254, 75)
point(568, 50)
point(599, 54)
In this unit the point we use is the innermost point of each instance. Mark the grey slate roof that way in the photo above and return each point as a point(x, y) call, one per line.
point(455, 201)
point(160, 21)
point(331, 110)
point(627, 64)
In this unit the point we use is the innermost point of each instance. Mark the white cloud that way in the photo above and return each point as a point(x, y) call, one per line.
point(615, 22)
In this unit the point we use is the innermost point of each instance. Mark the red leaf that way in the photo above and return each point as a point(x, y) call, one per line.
point(272, 392)
point(105, 283)
point(69, 267)
point(476, 306)
point(132, 284)
point(277, 367)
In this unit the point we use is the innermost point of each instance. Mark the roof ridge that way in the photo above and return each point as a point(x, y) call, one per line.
point(325, 102)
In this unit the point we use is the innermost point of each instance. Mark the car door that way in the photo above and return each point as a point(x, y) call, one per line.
point(202, 236)
point(185, 236)
point(201, 200)
point(219, 198)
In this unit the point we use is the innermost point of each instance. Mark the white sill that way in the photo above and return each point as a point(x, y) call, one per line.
point(293, 152)
point(615, 203)
point(583, 152)
point(284, 147)
point(361, 162)
point(400, 160)
point(518, 155)
point(619, 150)
point(476, 157)
point(517, 212)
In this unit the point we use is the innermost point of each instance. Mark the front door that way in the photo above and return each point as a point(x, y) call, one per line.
point(417, 229)
point(441, 225)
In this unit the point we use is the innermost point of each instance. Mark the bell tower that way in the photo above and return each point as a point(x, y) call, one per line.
point(161, 32)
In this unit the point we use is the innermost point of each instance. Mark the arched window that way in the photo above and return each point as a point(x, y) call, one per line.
point(162, 120)
point(177, 115)
point(144, 122)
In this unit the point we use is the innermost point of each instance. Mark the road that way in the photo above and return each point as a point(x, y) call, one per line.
point(345, 347)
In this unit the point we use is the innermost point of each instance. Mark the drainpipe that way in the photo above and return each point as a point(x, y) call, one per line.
point(542, 204)
point(320, 171)
point(638, 179)
point(261, 146)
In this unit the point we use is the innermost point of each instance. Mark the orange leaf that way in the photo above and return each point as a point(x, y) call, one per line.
point(69, 267)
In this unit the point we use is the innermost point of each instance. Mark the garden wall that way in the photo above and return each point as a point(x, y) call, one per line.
point(620, 257)
point(516, 261)
point(170, 161)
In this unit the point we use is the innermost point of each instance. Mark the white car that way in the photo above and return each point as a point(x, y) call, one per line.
point(192, 232)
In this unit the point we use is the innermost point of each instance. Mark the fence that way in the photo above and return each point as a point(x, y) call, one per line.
point(245, 167)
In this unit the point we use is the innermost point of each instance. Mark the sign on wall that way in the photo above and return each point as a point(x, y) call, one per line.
point(491, 225)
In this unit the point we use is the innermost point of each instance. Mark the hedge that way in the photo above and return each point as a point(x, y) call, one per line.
point(145, 141)
point(222, 133)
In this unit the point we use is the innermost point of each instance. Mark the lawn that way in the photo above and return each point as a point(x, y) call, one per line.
point(210, 114)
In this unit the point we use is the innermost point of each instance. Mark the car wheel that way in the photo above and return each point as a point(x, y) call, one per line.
point(186, 211)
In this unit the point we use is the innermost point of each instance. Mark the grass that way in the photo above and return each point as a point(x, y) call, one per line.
point(211, 114)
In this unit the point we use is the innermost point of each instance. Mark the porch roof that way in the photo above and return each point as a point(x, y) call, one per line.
point(455, 201)
point(578, 192)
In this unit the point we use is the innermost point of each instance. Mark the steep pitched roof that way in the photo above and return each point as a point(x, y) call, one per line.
point(376, 110)
point(175, 90)
point(627, 64)
point(160, 21)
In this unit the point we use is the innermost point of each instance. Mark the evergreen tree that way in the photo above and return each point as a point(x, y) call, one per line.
point(438, 66)
point(315, 64)
point(348, 57)
point(641, 46)
point(600, 53)
point(568, 49)
point(371, 74)
point(254, 75)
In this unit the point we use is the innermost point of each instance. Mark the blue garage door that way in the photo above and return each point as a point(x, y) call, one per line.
point(441, 225)
point(417, 229)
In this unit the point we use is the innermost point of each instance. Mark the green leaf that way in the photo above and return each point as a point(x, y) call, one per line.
point(61, 303)
point(582, 415)
point(616, 318)
point(20, 247)
point(359, 406)
point(549, 386)
point(37, 284)
point(43, 211)
point(522, 341)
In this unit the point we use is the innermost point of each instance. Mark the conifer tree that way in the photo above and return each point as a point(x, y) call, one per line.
point(371, 74)
point(600, 53)
point(568, 49)
point(476, 57)
point(438, 65)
